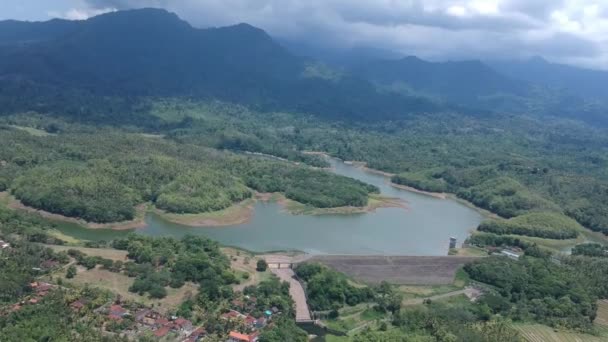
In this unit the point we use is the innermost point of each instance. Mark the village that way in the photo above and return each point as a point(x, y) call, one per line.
point(131, 319)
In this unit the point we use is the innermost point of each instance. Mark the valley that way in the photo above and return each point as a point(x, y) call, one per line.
point(165, 182)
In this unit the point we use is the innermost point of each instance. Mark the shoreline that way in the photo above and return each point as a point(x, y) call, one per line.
point(238, 213)
point(439, 195)
point(136, 223)
point(374, 202)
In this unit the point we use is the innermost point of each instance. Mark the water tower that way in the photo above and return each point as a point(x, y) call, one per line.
point(452, 242)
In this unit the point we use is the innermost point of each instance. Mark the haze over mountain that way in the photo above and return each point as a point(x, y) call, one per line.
point(151, 52)
point(582, 82)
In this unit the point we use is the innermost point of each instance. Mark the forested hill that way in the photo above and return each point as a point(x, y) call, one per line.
point(458, 82)
point(549, 90)
point(582, 82)
point(151, 52)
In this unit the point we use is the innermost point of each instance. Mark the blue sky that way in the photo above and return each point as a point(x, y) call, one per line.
point(568, 31)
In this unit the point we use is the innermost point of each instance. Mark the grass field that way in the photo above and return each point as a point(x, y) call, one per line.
point(602, 313)
point(108, 253)
point(33, 131)
point(243, 262)
point(119, 283)
point(352, 319)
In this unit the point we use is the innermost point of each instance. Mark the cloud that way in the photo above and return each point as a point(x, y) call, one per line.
point(571, 31)
point(81, 13)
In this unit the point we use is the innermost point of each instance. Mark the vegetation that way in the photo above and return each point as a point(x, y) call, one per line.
point(261, 265)
point(540, 224)
point(591, 250)
point(539, 290)
point(94, 178)
point(327, 289)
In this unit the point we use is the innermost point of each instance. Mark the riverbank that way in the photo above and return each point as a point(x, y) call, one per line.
point(374, 202)
point(239, 213)
point(138, 222)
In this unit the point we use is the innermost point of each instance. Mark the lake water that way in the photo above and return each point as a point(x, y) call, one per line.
point(422, 229)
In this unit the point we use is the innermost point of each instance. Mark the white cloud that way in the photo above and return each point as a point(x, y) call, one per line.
point(80, 13)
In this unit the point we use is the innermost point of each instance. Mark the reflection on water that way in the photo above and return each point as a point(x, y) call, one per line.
point(423, 229)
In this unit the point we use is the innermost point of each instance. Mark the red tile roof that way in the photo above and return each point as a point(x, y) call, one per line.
point(182, 321)
point(238, 336)
point(117, 309)
point(161, 332)
point(162, 321)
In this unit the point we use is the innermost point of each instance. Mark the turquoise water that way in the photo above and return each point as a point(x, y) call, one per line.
point(422, 229)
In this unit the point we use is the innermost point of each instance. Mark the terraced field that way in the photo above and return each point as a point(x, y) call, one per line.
point(543, 333)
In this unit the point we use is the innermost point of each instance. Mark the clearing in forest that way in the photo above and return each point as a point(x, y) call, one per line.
point(543, 333)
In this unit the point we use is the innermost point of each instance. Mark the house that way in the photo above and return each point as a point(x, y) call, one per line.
point(196, 335)
point(232, 314)
point(510, 254)
point(238, 304)
point(147, 317)
point(77, 305)
point(250, 321)
point(235, 336)
point(161, 322)
point(116, 312)
point(162, 331)
point(182, 324)
point(260, 322)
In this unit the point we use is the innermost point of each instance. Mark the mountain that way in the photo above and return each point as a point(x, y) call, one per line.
point(464, 82)
point(113, 59)
point(586, 83)
point(18, 32)
point(336, 56)
point(151, 52)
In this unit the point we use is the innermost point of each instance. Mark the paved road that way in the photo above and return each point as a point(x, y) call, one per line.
point(296, 291)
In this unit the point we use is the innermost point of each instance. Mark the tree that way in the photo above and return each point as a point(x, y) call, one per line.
point(157, 292)
point(262, 265)
point(71, 272)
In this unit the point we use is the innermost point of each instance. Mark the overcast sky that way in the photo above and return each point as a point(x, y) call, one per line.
point(567, 31)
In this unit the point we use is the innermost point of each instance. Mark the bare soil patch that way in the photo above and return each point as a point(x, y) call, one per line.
point(236, 214)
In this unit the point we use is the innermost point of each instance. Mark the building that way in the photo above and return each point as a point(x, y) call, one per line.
point(196, 335)
point(232, 314)
point(161, 332)
point(235, 336)
point(510, 254)
point(116, 312)
point(182, 324)
point(77, 305)
point(452, 242)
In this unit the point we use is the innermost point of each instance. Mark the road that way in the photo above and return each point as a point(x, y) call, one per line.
point(296, 291)
point(469, 292)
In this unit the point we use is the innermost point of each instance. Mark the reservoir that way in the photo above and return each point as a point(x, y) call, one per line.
point(422, 229)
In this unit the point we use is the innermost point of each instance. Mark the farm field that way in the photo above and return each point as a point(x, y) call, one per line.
point(543, 333)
